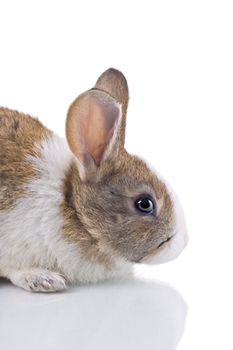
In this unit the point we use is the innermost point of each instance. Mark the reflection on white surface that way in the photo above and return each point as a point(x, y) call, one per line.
point(132, 314)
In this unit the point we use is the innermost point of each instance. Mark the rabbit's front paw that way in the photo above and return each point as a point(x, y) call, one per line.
point(38, 280)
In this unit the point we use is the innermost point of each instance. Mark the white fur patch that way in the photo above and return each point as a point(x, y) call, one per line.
point(30, 233)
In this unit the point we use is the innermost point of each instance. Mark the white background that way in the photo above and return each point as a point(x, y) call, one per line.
point(178, 59)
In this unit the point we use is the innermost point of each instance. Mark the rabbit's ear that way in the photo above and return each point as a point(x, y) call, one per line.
point(92, 127)
point(115, 84)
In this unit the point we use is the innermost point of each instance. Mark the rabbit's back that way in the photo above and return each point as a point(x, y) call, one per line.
point(19, 136)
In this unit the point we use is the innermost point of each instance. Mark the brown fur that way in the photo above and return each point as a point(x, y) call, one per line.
point(18, 135)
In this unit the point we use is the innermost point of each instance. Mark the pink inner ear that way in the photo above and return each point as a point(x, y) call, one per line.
point(91, 123)
point(98, 127)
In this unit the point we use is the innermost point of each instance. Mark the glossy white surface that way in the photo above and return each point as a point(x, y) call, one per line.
point(133, 314)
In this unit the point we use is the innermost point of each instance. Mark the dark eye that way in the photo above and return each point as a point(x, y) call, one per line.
point(145, 205)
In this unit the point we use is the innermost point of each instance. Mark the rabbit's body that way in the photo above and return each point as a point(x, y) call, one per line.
point(36, 211)
point(85, 210)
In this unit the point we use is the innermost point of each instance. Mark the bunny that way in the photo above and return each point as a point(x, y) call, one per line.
point(81, 210)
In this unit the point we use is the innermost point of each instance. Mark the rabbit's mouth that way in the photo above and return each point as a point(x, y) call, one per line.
point(154, 251)
point(167, 240)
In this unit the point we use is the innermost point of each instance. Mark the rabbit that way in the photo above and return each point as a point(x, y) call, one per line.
point(83, 209)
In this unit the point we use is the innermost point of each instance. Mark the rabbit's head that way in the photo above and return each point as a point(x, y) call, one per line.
point(122, 203)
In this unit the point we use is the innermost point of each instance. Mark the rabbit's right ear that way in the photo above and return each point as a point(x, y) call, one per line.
point(113, 82)
point(92, 130)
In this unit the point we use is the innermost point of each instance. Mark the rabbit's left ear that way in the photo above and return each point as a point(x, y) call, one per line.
point(92, 129)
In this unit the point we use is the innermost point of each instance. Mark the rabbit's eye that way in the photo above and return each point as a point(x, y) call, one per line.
point(145, 205)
